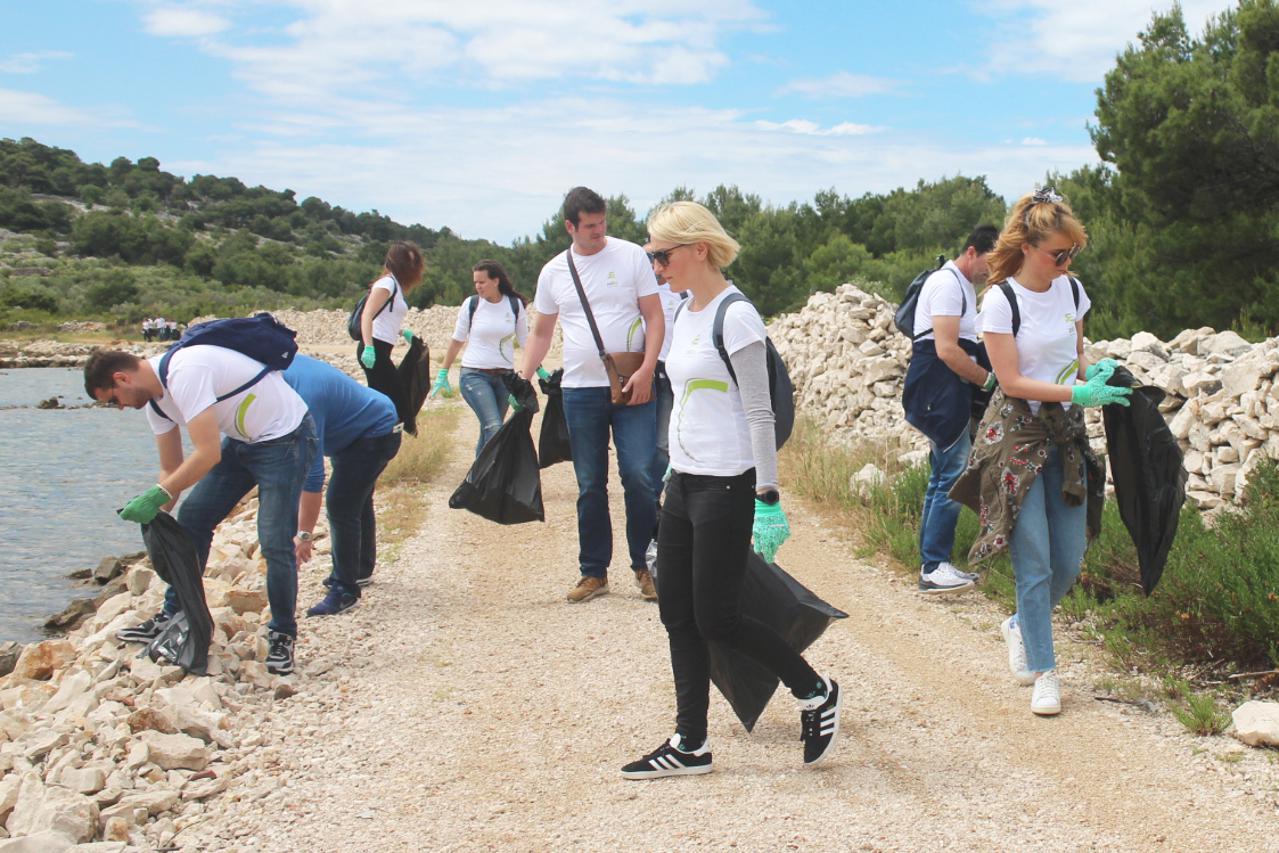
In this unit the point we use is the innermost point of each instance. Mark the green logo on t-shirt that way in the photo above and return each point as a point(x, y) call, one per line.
point(689, 388)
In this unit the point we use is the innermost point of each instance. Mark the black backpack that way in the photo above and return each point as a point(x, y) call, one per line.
point(904, 319)
point(780, 388)
point(261, 337)
point(1011, 296)
point(357, 313)
point(474, 303)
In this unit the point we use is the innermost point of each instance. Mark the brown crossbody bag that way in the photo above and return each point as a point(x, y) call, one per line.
point(618, 365)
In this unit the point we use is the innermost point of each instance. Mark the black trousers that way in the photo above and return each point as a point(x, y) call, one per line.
point(384, 377)
point(703, 542)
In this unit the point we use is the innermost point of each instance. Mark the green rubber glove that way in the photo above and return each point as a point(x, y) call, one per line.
point(770, 529)
point(1105, 367)
point(144, 508)
point(441, 383)
point(408, 336)
point(1095, 392)
point(543, 375)
point(515, 404)
point(368, 357)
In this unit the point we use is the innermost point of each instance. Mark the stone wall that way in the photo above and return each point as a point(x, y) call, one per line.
point(848, 363)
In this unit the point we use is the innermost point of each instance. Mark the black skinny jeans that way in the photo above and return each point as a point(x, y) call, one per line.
point(703, 543)
point(385, 377)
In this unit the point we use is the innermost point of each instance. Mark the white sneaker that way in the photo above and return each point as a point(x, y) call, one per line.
point(943, 579)
point(1016, 653)
point(1046, 699)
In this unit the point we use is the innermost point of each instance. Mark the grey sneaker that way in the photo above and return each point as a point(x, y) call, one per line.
point(943, 580)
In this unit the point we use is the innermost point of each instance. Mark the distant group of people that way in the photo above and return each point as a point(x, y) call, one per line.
point(692, 427)
point(160, 329)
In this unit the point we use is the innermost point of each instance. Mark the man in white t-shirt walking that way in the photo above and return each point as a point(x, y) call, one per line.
point(247, 428)
point(622, 292)
point(941, 379)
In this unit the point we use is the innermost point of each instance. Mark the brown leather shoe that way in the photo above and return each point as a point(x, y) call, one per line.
point(587, 588)
point(644, 580)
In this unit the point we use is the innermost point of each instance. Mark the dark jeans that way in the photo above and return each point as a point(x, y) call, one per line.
point(349, 503)
point(664, 398)
point(590, 414)
point(385, 378)
point(278, 468)
point(702, 547)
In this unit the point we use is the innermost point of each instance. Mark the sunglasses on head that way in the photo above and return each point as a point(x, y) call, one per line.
point(663, 256)
point(1064, 256)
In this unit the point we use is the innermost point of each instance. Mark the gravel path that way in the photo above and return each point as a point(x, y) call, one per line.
point(464, 705)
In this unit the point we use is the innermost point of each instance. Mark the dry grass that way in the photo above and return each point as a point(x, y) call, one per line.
point(401, 500)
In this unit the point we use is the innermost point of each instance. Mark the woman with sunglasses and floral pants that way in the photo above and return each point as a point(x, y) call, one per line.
point(1031, 477)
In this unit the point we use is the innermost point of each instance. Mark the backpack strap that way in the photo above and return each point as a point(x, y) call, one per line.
point(717, 330)
point(1012, 303)
point(163, 374)
point(1074, 291)
point(474, 303)
point(963, 303)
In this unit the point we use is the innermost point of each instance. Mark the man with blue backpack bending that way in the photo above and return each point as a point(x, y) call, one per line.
point(247, 428)
point(944, 373)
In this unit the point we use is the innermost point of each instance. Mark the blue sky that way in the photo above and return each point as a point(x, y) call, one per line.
point(478, 116)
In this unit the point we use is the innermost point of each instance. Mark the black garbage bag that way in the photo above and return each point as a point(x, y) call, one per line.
point(415, 380)
point(504, 483)
point(784, 604)
point(185, 639)
point(552, 444)
point(1150, 478)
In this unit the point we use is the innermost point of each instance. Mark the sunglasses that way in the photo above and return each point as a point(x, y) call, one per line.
point(663, 256)
point(1065, 256)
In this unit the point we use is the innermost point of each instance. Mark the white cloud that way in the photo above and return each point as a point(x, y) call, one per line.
point(1075, 41)
point(1033, 140)
point(811, 128)
point(30, 62)
point(180, 22)
point(840, 85)
point(23, 108)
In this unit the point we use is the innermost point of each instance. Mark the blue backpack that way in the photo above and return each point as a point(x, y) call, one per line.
point(261, 337)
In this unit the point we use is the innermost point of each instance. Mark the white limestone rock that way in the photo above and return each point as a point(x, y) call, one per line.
point(1257, 723)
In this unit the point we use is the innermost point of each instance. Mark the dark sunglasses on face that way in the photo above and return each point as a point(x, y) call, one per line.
point(663, 256)
point(1065, 256)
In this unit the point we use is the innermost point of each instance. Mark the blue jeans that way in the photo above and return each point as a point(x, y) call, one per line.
point(664, 398)
point(590, 414)
point(349, 505)
point(278, 468)
point(937, 524)
point(486, 394)
point(1047, 547)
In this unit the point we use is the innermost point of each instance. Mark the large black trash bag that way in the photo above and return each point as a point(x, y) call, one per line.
point(1150, 478)
point(415, 380)
point(552, 444)
point(504, 484)
point(185, 639)
point(776, 599)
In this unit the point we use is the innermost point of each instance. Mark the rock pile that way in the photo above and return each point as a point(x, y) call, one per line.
point(97, 743)
point(848, 363)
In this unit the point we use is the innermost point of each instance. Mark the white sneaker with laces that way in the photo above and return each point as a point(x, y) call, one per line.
point(943, 579)
point(1046, 699)
point(1016, 653)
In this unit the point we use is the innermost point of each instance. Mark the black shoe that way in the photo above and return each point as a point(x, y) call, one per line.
point(146, 631)
point(335, 602)
point(669, 760)
point(819, 723)
point(279, 659)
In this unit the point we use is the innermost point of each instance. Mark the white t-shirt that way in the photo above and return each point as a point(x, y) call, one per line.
point(387, 324)
point(490, 337)
point(198, 375)
point(614, 279)
point(1047, 343)
point(708, 430)
point(947, 293)
point(670, 301)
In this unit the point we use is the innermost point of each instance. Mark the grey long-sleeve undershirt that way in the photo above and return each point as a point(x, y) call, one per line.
point(750, 363)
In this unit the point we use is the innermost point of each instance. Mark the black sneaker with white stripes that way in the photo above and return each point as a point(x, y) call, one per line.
point(670, 760)
point(819, 722)
point(145, 632)
point(279, 656)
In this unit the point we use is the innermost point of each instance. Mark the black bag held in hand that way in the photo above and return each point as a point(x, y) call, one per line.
point(185, 639)
point(504, 484)
point(618, 366)
point(772, 597)
point(552, 444)
point(357, 313)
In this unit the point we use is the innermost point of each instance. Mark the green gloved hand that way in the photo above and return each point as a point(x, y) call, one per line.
point(515, 404)
point(441, 383)
point(542, 374)
point(368, 357)
point(144, 508)
point(1105, 368)
point(408, 336)
point(770, 529)
point(1095, 392)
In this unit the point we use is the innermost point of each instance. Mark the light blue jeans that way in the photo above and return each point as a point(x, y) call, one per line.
point(941, 514)
point(1047, 547)
point(486, 394)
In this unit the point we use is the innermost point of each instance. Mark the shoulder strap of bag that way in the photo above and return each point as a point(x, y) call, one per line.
point(471, 305)
point(586, 306)
point(163, 374)
point(717, 331)
point(963, 303)
point(1012, 303)
point(1074, 290)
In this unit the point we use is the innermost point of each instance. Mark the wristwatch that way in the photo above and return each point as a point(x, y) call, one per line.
point(304, 535)
point(768, 496)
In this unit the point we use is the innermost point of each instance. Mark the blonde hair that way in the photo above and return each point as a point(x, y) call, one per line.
point(689, 222)
point(1034, 218)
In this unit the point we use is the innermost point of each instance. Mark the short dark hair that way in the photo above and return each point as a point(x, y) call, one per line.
point(982, 239)
point(103, 365)
point(582, 200)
